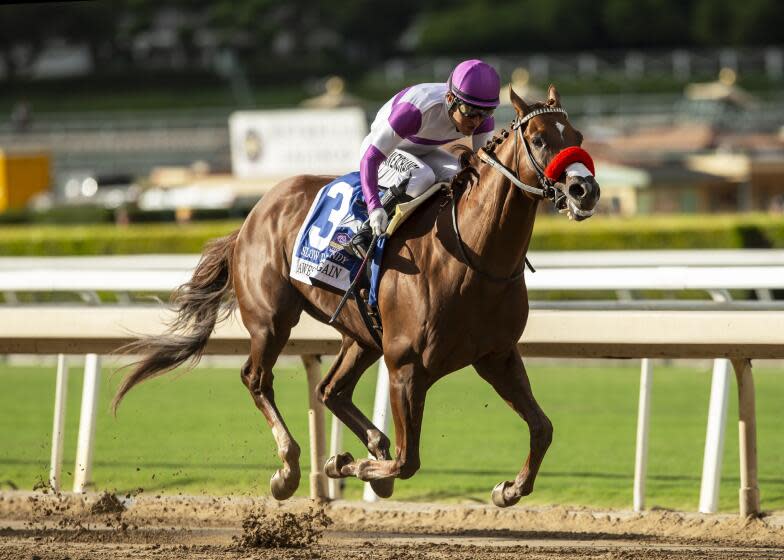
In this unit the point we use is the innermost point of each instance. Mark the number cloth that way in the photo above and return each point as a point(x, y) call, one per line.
point(334, 217)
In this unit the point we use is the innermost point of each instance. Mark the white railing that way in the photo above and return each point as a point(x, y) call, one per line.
point(738, 335)
point(715, 272)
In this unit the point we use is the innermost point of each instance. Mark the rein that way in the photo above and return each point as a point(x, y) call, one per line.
point(546, 188)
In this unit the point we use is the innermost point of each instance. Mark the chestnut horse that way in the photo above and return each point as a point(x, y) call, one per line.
point(447, 300)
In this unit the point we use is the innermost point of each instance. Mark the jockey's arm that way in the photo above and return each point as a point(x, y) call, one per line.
point(483, 133)
point(404, 120)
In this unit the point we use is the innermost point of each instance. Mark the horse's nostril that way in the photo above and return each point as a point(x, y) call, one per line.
point(577, 190)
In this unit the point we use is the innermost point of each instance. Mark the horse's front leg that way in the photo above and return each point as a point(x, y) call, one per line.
point(506, 373)
point(407, 389)
point(336, 391)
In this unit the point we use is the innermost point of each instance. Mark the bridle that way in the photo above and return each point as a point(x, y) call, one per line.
point(545, 190)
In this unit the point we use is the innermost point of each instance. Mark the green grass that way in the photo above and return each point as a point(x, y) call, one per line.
point(200, 433)
point(551, 233)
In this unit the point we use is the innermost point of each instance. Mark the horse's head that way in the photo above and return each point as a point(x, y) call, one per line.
point(551, 149)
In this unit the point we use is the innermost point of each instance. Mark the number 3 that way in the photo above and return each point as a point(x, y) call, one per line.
point(324, 227)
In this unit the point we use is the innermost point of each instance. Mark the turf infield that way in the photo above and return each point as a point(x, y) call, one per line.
point(200, 433)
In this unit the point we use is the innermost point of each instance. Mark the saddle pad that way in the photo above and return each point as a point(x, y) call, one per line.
point(334, 217)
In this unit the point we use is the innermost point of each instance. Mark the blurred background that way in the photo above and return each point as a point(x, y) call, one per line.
point(119, 111)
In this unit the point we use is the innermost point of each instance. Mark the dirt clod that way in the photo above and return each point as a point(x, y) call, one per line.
point(107, 503)
point(265, 529)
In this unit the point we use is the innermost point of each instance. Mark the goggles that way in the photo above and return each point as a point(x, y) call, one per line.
point(472, 111)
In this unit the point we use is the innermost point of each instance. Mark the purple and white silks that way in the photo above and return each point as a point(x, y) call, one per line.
point(416, 120)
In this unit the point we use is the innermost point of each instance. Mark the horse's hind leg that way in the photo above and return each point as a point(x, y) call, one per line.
point(506, 373)
point(336, 391)
point(269, 313)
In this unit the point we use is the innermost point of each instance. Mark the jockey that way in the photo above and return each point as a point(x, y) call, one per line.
point(401, 153)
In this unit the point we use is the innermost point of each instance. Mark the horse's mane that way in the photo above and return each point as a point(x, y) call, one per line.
point(469, 160)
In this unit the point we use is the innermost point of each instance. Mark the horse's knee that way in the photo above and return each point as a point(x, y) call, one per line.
point(408, 468)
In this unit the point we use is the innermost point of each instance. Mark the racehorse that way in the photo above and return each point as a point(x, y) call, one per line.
point(452, 294)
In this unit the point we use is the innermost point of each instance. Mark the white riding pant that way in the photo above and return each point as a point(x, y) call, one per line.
point(421, 171)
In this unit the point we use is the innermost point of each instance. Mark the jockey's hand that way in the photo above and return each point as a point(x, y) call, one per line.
point(379, 221)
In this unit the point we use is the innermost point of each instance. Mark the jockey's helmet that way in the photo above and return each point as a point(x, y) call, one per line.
point(476, 83)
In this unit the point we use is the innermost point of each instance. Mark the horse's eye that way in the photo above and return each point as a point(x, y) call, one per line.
point(537, 141)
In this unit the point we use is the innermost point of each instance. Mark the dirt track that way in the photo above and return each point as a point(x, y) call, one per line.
point(154, 527)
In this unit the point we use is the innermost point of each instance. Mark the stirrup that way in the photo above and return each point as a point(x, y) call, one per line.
point(360, 242)
point(395, 195)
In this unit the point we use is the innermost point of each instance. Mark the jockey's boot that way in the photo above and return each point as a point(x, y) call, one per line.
point(393, 196)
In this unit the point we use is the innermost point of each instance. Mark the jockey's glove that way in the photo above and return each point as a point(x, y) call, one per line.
point(379, 221)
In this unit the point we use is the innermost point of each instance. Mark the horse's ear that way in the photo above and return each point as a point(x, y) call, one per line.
point(553, 97)
point(517, 102)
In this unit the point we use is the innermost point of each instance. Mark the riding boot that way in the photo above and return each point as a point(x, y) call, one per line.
point(393, 196)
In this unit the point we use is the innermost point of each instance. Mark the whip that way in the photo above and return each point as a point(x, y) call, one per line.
point(354, 283)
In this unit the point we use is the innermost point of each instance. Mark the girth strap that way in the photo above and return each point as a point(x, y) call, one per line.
point(363, 312)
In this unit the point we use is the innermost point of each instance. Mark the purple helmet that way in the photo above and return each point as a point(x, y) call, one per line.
point(476, 83)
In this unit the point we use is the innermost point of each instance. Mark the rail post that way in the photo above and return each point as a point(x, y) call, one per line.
point(717, 423)
point(58, 425)
point(84, 448)
point(643, 424)
point(318, 480)
point(335, 485)
point(747, 439)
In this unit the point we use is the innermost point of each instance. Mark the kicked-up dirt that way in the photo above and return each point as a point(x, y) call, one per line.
point(38, 526)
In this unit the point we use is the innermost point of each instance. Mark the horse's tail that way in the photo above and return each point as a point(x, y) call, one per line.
point(199, 308)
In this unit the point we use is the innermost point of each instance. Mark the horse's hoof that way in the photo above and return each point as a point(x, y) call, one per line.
point(335, 463)
point(283, 488)
point(498, 495)
point(383, 487)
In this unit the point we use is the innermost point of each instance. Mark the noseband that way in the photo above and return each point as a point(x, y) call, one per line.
point(547, 178)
